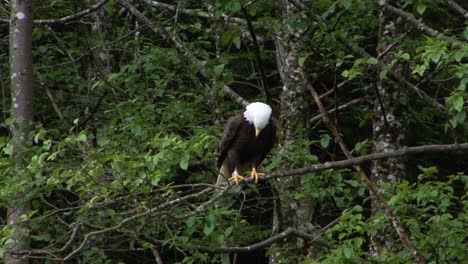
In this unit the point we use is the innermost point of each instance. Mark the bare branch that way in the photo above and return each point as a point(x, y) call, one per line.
point(262, 244)
point(258, 61)
point(235, 96)
point(68, 18)
point(426, 149)
point(90, 51)
point(152, 211)
point(201, 14)
point(52, 101)
point(341, 107)
point(157, 256)
point(459, 10)
point(413, 21)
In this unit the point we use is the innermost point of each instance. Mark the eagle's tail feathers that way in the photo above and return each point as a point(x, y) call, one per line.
point(223, 174)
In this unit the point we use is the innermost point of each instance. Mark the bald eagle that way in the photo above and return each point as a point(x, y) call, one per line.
point(248, 137)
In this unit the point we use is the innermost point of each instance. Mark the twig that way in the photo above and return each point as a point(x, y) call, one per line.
point(52, 101)
point(370, 184)
point(152, 211)
point(157, 256)
point(90, 51)
point(258, 60)
point(341, 107)
point(235, 96)
point(262, 244)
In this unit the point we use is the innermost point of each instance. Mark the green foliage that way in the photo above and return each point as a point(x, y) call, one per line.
point(135, 146)
point(433, 212)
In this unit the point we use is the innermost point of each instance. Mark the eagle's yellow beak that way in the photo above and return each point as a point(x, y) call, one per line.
point(257, 131)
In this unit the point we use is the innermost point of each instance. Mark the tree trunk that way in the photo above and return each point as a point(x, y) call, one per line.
point(22, 112)
point(102, 58)
point(389, 128)
point(290, 212)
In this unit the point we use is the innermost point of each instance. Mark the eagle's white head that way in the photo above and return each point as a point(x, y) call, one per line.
point(258, 114)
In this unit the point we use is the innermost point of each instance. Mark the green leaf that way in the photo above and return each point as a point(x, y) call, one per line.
point(421, 7)
point(184, 162)
point(209, 225)
point(237, 42)
point(459, 55)
point(226, 38)
point(455, 102)
point(348, 252)
point(325, 140)
point(339, 63)
point(405, 56)
point(219, 69)
point(462, 86)
point(301, 61)
point(419, 69)
point(458, 118)
point(372, 61)
point(81, 138)
point(190, 221)
point(253, 11)
point(345, 73)
point(435, 57)
point(429, 170)
point(383, 74)
point(228, 231)
point(236, 7)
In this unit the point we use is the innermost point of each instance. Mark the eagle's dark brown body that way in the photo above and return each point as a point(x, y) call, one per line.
point(240, 148)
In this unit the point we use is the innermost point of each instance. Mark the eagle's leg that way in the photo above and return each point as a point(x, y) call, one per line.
point(254, 174)
point(236, 177)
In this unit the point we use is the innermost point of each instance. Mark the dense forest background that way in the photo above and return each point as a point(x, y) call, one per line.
point(112, 111)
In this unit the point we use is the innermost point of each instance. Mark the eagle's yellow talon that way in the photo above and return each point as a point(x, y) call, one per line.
point(254, 174)
point(236, 177)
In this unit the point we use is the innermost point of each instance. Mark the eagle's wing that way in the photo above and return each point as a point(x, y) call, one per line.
point(230, 131)
point(267, 141)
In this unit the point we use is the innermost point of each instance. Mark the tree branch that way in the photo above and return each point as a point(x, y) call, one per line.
point(258, 60)
point(182, 49)
point(413, 21)
point(341, 107)
point(52, 101)
point(162, 208)
point(90, 51)
point(262, 244)
point(201, 14)
point(404, 237)
point(68, 18)
point(426, 149)
point(393, 75)
point(152, 211)
point(459, 10)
